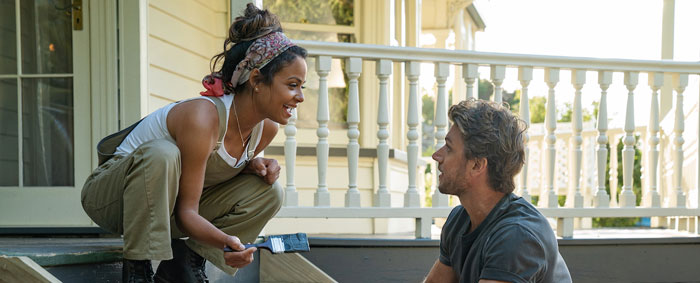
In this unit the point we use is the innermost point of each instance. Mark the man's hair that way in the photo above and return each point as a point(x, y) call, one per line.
point(489, 130)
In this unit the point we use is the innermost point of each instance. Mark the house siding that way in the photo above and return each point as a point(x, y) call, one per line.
point(183, 35)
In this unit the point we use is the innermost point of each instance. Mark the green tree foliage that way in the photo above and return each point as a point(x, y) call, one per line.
point(313, 11)
point(428, 109)
point(568, 112)
point(485, 89)
point(512, 98)
point(537, 109)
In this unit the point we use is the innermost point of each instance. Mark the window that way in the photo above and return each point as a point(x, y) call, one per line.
point(320, 20)
point(36, 93)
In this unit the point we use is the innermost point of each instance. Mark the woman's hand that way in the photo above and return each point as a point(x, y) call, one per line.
point(266, 168)
point(241, 256)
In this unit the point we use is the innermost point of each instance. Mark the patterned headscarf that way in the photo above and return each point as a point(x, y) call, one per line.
point(262, 51)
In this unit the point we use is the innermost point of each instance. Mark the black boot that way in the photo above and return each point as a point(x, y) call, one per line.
point(186, 265)
point(137, 271)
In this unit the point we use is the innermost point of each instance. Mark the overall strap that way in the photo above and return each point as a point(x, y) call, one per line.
point(221, 109)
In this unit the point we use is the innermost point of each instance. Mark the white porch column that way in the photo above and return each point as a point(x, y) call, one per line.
point(291, 196)
point(498, 73)
point(353, 67)
point(601, 198)
point(578, 79)
point(551, 77)
point(680, 82)
point(525, 76)
point(627, 197)
point(667, 39)
point(441, 72)
point(470, 73)
point(383, 197)
point(323, 67)
point(413, 22)
point(412, 198)
point(652, 198)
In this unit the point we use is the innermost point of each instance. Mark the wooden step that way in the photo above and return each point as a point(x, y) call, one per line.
point(23, 269)
point(290, 267)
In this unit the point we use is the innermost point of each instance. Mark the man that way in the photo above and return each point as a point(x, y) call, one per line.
point(494, 235)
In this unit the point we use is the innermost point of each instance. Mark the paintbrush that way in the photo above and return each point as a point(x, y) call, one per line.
point(277, 244)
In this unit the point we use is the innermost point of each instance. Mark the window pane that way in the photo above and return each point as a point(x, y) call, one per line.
point(327, 12)
point(320, 36)
point(9, 147)
point(46, 44)
point(8, 36)
point(47, 128)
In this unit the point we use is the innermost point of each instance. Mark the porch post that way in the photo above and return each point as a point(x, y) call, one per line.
point(323, 67)
point(525, 76)
point(551, 77)
point(411, 198)
point(383, 197)
point(578, 79)
point(667, 37)
point(441, 72)
point(498, 73)
point(291, 196)
point(680, 82)
point(353, 67)
point(652, 198)
point(627, 196)
point(470, 73)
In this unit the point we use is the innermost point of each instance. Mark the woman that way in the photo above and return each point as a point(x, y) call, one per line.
point(188, 169)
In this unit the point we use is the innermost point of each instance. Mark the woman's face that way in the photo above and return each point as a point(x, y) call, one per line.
point(278, 99)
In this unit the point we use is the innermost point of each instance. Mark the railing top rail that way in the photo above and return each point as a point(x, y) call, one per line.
point(403, 54)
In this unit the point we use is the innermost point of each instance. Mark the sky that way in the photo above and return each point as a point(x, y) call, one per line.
point(628, 29)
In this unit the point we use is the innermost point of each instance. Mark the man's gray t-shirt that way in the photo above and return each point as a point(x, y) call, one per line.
point(514, 243)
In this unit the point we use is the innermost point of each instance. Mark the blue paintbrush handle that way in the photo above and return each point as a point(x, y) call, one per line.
point(265, 245)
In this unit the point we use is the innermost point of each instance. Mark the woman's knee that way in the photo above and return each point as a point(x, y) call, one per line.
point(160, 151)
point(276, 195)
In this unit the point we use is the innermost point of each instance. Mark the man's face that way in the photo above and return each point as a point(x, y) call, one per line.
point(452, 164)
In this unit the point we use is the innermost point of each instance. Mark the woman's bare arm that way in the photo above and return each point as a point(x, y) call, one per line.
point(194, 126)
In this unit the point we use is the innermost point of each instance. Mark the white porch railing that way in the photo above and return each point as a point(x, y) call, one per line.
point(581, 203)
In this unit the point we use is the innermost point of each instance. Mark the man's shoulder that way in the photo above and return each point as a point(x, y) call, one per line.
point(522, 219)
point(523, 213)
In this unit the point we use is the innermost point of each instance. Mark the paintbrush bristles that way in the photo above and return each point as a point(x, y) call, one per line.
point(277, 245)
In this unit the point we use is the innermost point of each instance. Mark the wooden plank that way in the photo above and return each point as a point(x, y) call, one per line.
point(177, 60)
point(193, 12)
point(23, 269)
point(155, 102)
point(219, 6)
point(183, 34)
point(173, 86)
point(290, 267)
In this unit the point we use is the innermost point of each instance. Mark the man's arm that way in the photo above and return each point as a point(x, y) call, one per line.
point(441, 273)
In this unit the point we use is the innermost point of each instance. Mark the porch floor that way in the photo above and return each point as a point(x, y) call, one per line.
point(48, 250)
point(99, 258)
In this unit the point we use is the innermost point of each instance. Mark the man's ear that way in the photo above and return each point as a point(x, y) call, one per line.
point(479, 166)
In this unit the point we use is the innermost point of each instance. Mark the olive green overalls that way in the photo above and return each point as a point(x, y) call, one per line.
point(135, 195)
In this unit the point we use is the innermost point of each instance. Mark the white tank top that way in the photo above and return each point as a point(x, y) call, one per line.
point(154, 126)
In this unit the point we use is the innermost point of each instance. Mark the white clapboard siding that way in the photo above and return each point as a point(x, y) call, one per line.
point(183, 35)
point(203, 16)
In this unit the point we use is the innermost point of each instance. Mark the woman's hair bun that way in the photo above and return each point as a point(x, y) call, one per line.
point(253, 24)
